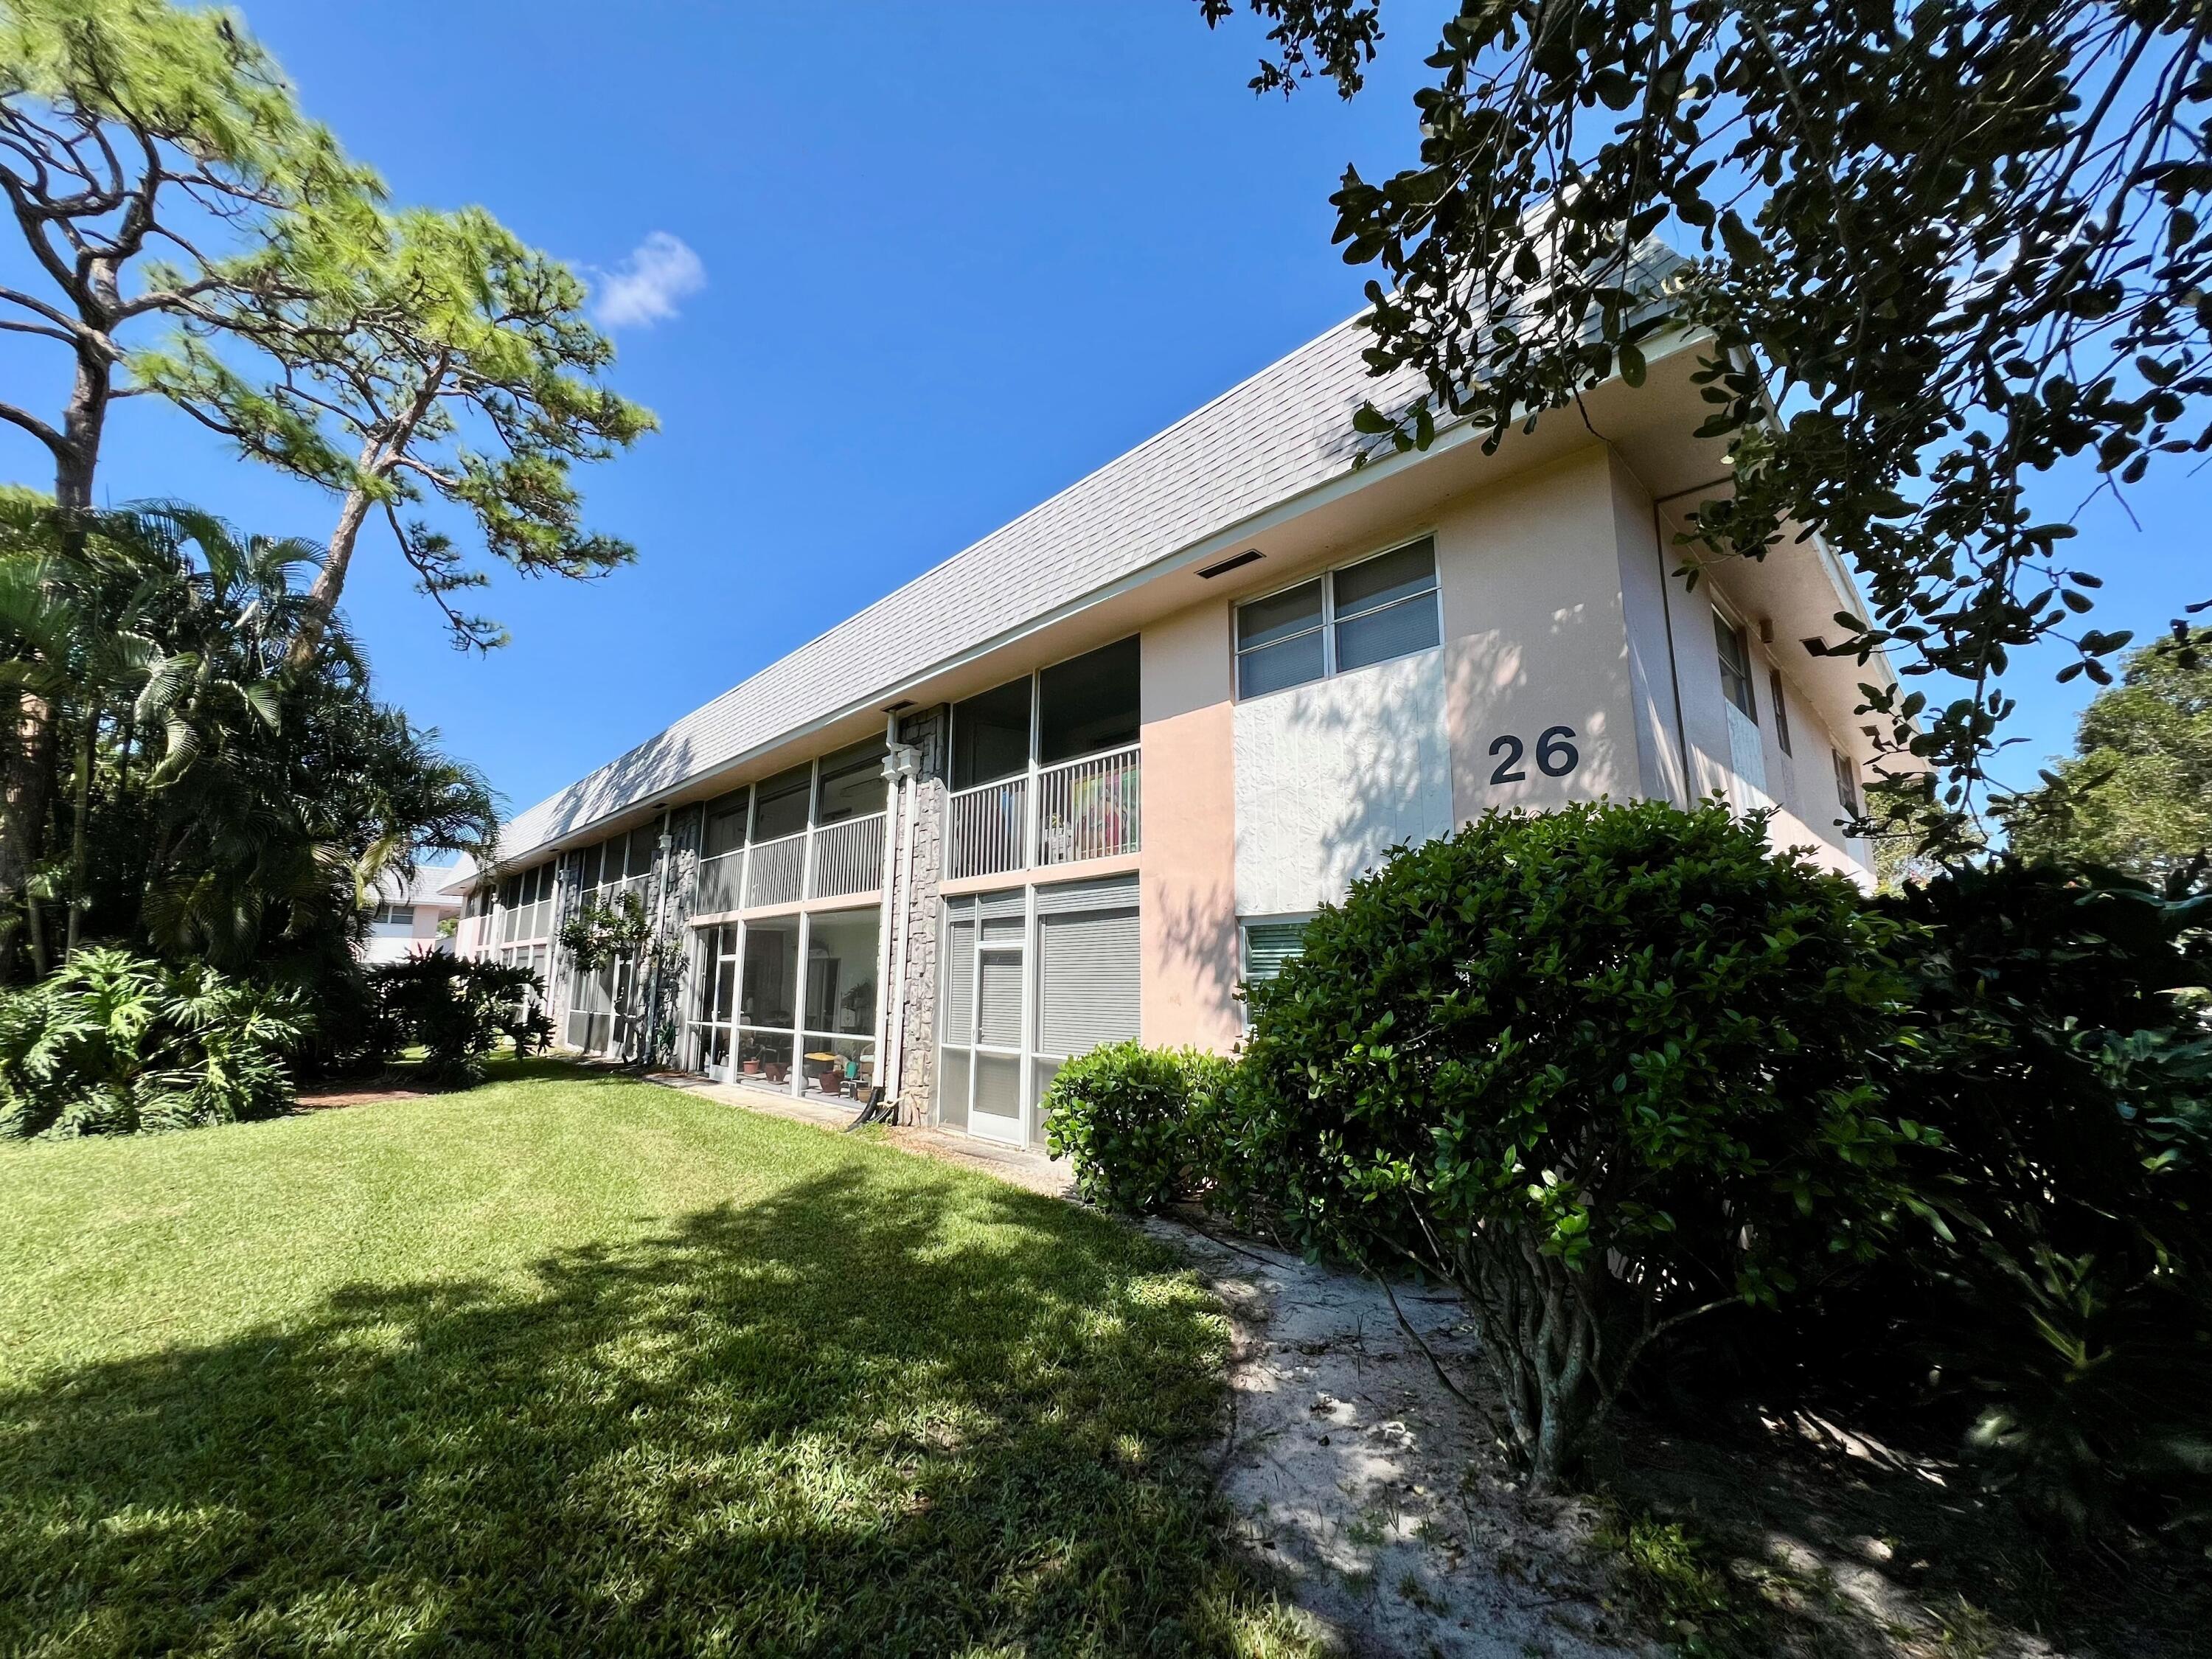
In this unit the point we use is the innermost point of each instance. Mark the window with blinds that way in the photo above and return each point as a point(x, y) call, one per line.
point(1089, 980)
point(1268, 945)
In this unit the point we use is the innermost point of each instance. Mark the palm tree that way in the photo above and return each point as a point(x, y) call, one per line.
point(248, 805)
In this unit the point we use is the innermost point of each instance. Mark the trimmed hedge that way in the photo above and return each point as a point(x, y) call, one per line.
point(1140, 1124)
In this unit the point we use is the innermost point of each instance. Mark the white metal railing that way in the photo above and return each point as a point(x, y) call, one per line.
point(1089, 808)
point(987, 828)
point(721, 884)
point(775, 873)
point(849, 857)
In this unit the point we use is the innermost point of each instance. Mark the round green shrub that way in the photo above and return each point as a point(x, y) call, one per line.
point(1137, 1122)
point(1600, 1069)
point(2067, 1306)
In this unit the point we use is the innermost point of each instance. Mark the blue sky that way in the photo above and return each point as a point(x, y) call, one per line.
point(954, 257)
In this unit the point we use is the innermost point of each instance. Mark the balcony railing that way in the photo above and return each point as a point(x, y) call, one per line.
point(987, 828)
point(1083, 809)
point(1088, 808)
point(830, 860)
point(776, 871)
point(721, 883)
point(849, 858)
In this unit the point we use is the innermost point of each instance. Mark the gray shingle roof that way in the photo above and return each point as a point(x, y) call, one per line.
point(1284, 430)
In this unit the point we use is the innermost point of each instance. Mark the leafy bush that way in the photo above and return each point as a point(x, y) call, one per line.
point(113, 1043)
point(1140, 1124)
point(459, 1009)
point(1601, 1070)
point(2067, 1302)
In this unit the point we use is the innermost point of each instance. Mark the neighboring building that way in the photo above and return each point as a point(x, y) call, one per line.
point(1077, 781)
point(407, 914)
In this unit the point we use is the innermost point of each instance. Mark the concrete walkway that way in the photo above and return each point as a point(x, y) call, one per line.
point(1018, 1165)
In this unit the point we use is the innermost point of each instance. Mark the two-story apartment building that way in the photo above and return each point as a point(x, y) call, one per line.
point(1079, 780)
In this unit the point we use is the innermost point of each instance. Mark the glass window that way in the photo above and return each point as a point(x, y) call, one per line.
point(780, 804)
point(768, 992)
point(1847, 781)
point(1735, 665)
point(852, 783)
point(1089, 703)
point(1781, 709)
point(991, 734)
point(642, 841)
point(841, 972)
point(1386, 606)
point(725, 831)
point(1279, 640)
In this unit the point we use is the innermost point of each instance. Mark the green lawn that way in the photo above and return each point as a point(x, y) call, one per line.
point(573, 1364)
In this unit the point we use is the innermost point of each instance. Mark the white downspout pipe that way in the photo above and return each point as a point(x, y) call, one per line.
point(909, 788)
point(886, 885)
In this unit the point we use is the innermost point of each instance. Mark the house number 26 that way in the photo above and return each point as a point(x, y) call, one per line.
point(1555, 756)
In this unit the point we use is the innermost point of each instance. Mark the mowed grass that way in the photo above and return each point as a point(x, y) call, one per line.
point(574, 1363)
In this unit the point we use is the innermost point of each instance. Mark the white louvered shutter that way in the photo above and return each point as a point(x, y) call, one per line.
point(1268, 945)
point(1089, 979)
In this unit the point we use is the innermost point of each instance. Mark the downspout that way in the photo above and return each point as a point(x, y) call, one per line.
point(886, 882)
point(910, 788)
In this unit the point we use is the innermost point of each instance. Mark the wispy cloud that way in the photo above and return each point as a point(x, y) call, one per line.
point(645, 287)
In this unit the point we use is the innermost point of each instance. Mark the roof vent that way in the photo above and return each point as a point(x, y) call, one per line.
point(1236, 562)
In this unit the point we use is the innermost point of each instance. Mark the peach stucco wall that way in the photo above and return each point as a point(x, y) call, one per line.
point(1188, 901)
point(1559, 615)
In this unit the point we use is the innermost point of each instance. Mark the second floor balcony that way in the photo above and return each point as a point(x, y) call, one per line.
point(1088, 808)
point(826, 860)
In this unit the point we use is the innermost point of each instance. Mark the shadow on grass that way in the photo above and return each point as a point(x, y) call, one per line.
point(883, 1412)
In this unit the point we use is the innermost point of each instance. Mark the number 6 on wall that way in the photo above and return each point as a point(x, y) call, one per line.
point(1555, 756)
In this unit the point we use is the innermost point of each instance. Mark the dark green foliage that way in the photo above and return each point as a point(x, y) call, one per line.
point(457, 1009)
point(207, 801)
point(2068, 1304)
point(112, 1044)
point(1600, 1069)
point(2136, 794)
point(1141, 1125)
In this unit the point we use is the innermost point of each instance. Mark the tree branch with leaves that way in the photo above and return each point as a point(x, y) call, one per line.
point(1935, 256)
point(413, 357)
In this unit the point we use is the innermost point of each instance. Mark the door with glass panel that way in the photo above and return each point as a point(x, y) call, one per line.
point(982, 995)
point(714, 1002)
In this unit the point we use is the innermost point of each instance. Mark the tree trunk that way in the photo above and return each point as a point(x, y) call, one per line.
point(1538, 1322)
point(79, 898)
point(15, 832)
point(329, 580)
point(31, 754)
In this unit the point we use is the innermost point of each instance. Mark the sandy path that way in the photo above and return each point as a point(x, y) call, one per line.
point(1380, 1497)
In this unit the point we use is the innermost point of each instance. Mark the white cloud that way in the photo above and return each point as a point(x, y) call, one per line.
point(644, 288)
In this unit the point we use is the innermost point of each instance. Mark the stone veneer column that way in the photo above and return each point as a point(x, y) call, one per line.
point(917, 1008)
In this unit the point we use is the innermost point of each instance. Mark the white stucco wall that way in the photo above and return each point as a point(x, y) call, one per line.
point(1332, 775)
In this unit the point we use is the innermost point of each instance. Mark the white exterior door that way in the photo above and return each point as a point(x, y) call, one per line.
point(985, 968)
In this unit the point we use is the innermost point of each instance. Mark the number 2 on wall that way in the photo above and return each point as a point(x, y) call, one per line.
point(1555, 756)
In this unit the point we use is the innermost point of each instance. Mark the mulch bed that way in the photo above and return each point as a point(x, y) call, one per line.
point(355, 1094)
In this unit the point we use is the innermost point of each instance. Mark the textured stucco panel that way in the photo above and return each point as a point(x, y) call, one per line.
point(1331, 776)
